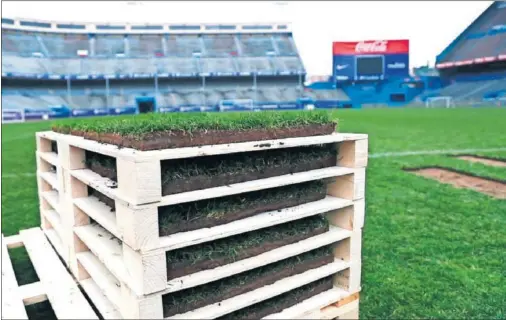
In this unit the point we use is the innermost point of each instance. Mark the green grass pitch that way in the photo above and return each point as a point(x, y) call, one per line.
point(429, 250)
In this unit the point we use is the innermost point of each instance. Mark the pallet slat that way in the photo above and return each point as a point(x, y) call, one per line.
point(308, 306)
point(105, 247)
point(57, 243)
point(104, 280)
point(332, 236)
point(12, 303)
point(244, 300)
point(188, 152)
point(266, 219)
point(103, 305)
point(13, 242)
point(49, 157)
point(51, 178)
point(96, 181)
point(66, 299)
point(52, 198)
point(54, 219)
point(210, 150)
point(33, 293)
point(99, 212)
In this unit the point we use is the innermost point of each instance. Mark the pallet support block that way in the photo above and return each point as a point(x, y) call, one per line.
point(43, 144)
point(133, 307)
point(147, 271)
point(139, 182)
point(350, 217)
point(353, 154)
point(139, 228)
point(349, 186)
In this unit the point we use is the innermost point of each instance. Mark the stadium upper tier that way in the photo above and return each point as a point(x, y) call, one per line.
point(27, 52)
point(483, 41)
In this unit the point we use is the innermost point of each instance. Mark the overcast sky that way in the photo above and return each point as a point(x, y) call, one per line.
point(429, 25)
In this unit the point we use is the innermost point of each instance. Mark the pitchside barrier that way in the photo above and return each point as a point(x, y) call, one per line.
point(120, 260)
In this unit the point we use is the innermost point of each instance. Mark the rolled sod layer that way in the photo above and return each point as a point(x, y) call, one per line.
point(281, 302)
point(197, 297)
point(183, 175)
point(217, 211)
point(174, 130)
point(199, 173)
point(213, 254)
point(102, 165)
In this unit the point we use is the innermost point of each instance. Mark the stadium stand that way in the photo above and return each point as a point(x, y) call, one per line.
point(473, 67)
point(96, 69)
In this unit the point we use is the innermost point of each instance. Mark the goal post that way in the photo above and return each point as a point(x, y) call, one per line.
point(439, 102)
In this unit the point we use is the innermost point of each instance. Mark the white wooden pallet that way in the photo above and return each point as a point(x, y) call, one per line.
point(55, 285)
point(121, 261)
point(139, 172)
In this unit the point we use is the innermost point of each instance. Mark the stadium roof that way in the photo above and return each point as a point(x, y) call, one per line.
point(483, 41)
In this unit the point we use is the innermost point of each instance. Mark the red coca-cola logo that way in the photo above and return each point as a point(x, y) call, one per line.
point(372, 46)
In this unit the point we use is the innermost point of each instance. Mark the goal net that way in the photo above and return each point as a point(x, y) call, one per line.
point(439, 102)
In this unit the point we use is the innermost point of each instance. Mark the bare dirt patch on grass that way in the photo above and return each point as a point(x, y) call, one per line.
point(494, 188)
point(484, 160)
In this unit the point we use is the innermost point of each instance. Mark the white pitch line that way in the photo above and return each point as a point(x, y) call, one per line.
point(18, 175)
point(430, 152)
point(372, 155)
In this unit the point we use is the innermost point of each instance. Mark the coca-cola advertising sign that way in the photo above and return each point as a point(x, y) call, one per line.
point(371, 47)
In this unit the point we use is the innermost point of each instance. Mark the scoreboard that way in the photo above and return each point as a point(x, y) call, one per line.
point(370, 60)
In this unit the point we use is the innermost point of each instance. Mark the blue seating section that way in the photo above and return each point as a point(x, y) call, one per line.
point(486, 37)
point(181, 55)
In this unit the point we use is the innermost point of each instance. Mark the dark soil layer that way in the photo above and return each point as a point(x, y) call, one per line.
point(163, 131)
point(103, 198)
point(217, 211)
point(102, 165)
point(281, 302)
point(199, 173)
point(197, 297)
point(54, 147)
point(224, 251)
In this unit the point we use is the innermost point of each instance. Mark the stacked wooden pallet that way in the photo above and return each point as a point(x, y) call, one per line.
point(55, 283)
point(119, 255)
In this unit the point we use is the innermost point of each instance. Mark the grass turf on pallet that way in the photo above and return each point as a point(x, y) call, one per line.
point(183, 175)
point(175, 130)
point(213, 254)
point(197, 297)
point(281, 302)
point(208, 172)
point(217, 211)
